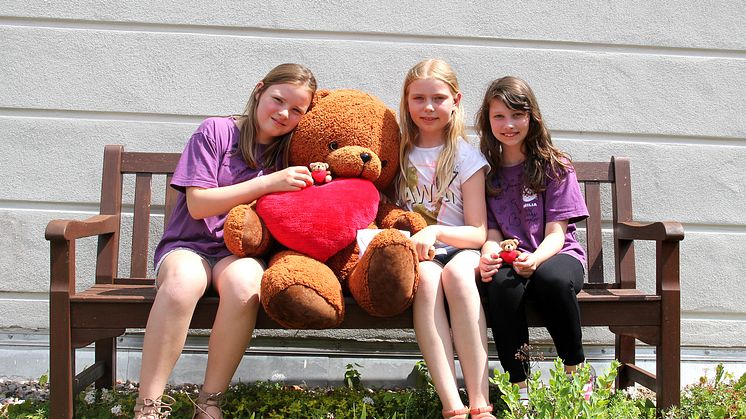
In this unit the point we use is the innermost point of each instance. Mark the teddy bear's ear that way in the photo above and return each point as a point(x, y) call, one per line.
point(320, 94)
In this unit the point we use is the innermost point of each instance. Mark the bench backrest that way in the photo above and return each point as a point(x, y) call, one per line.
point(605, 185)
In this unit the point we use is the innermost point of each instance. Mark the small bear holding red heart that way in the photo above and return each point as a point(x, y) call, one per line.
point(510, 250)
point(320, 172)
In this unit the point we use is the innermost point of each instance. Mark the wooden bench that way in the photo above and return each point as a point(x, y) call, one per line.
point(116, 302)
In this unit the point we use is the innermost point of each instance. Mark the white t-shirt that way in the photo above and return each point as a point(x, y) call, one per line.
point(420, 195)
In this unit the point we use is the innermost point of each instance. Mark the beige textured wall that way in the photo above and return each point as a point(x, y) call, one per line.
point(663, 83)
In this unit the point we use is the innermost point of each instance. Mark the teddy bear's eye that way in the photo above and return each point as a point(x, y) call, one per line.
point(333, 146)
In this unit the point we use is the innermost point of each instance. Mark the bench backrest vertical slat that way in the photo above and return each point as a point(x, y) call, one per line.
point(593, 233)
point(624, 250)
point(141, 225)
point(111, 204)
point(170, 201)
point(592, 176)
point(145, 166)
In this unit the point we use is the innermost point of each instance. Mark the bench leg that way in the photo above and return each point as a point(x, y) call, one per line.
point(61, 362)
point(106, 352)
point(668, 357)
point(624, 351)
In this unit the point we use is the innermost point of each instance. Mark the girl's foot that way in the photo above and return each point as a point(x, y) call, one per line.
point(456, 413)
point(208, 405)
point(481, 412)
point(153, 408)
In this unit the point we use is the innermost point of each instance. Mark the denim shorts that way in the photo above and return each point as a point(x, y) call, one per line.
point(443, 258)
point(211, 260)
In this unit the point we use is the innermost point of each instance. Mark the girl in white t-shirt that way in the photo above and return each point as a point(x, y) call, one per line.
point(442, 177)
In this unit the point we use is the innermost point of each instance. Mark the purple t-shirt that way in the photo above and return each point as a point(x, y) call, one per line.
point(520, 213)
point(210, 159)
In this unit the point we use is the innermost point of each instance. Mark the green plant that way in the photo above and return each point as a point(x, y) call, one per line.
point(352, 376)
point(721, 397)
point(568, 397)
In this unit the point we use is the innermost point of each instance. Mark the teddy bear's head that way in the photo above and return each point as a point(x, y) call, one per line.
point(509, 244)
point(353, 132)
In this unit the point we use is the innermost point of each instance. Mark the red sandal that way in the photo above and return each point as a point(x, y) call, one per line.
point(481, 412)
point(456, 413)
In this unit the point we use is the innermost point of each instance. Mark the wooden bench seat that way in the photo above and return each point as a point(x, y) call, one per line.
point(115, 303)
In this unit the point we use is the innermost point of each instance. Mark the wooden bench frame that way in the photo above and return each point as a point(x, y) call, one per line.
point(104, 311)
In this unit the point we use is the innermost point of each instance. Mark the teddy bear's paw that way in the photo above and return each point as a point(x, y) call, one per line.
point(385, 279)
point(298, 307)
point(244, 232)
point(391, 216)
point(301, 293)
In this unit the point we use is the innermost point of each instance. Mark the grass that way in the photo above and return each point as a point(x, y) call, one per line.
point(721, 396)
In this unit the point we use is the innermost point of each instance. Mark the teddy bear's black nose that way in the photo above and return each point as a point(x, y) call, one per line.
point(365, 157)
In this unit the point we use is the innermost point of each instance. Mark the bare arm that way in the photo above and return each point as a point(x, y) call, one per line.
point(208, 202)
point(554, 238)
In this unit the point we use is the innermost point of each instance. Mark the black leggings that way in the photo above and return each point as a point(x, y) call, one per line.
point(552, 289)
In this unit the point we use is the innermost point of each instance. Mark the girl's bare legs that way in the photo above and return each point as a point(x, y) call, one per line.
point(433, 334)
point(237, 282)
point(183, 277)
point(468, 324)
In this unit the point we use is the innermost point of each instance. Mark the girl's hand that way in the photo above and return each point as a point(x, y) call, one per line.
point(290, 179)
point(489, 263)
point(525, 264)
point(424, 242)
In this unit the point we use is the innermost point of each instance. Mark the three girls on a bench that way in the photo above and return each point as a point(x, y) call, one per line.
point(436, 162)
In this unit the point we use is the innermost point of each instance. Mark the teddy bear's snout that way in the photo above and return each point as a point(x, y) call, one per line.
point(354, 161)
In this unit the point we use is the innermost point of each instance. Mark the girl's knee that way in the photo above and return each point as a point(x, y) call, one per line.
point(240, 290)
point(181, 292)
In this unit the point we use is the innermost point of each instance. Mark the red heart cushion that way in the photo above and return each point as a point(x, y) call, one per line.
point(320, 220)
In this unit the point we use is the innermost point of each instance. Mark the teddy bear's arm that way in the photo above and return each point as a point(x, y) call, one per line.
point(392, 216)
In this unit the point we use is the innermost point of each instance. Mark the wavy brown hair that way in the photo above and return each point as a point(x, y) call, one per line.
point(543, 159)
point(275, 155)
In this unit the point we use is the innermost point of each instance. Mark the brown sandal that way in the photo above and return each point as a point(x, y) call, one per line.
point(207, 400)
point(153, 408)
point(481, 412)
point(456, 413)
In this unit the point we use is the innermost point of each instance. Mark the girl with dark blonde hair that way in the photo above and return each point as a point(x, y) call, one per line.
point(228, 161)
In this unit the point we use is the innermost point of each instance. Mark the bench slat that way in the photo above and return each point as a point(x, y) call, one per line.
point(141, 225)
point(593, 233)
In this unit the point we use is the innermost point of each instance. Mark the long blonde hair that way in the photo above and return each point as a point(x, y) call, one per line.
point(543, 159)
point(275, 155)
point(439, 70)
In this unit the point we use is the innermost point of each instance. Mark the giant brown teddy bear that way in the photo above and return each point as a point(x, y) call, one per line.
point(358, 137)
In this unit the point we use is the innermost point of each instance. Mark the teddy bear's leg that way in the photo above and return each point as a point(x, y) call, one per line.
point(299, 292)
point(386, 277)
point(245, 234)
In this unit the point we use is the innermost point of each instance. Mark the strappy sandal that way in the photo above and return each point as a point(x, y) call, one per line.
point(157, 408)
point(207, 400)
point(481, 412)
point(456, 413)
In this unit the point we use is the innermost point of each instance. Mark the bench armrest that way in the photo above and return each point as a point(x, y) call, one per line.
point(657, 231)
point(66, 230)
point(667, 236)
point(62, 236)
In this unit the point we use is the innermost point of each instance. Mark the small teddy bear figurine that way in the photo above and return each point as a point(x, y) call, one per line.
point(509, 250)
point(320, 172)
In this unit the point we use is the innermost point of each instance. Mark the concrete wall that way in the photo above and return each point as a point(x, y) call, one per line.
point(663, 83)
